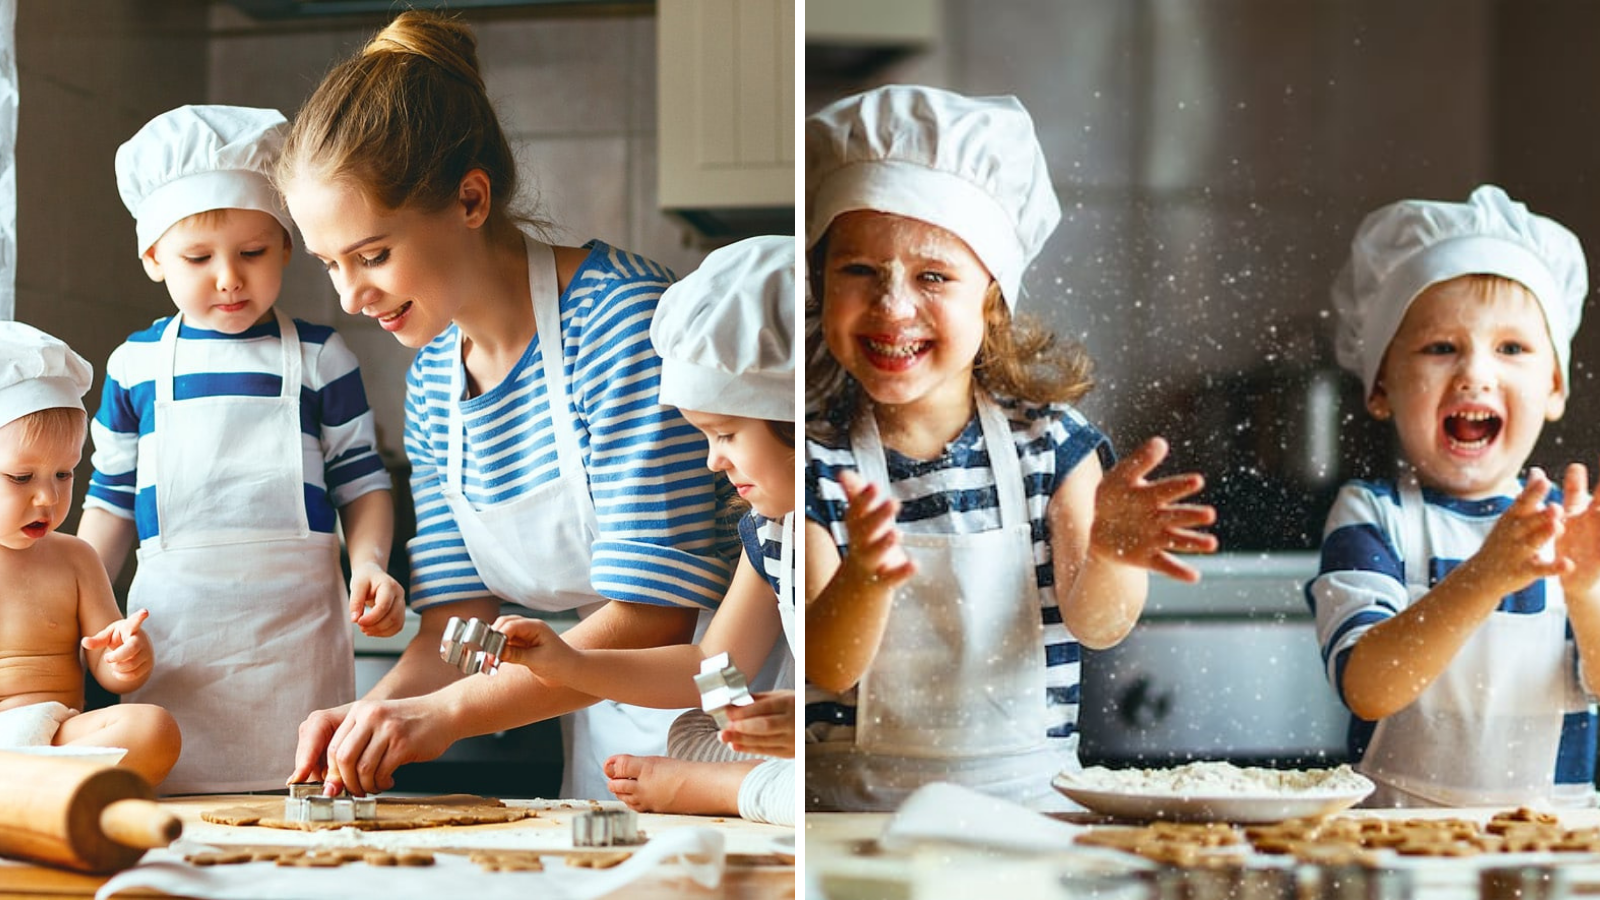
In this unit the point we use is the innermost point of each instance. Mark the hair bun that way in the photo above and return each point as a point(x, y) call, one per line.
point(443, 40)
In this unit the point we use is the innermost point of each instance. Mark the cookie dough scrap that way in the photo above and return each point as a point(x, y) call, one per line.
point(598, 860)
point(394, 813)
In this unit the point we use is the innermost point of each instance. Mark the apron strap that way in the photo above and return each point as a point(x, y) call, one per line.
point(1413, 528)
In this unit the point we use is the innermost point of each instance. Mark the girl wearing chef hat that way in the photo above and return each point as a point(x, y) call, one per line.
point(726, 338)
point(47, 579)
point(951, 582)
point(1458, 604)
point(544, 473)
point(230, 442)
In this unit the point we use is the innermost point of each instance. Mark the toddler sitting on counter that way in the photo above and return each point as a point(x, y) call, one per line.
point(55, 598)
point(1463, 645)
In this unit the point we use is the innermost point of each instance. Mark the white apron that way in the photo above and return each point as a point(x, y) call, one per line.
point(1496, 697)
point(247, 604)
point(535, 551)
point(957, 690)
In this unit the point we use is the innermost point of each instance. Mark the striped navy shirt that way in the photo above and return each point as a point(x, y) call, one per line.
point(1362, 583)
point(1051, 440)
point(667, 535)
point(763, 546)
point(338, 437)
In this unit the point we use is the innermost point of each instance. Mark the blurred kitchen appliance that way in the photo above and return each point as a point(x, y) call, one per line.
point(1225, 669)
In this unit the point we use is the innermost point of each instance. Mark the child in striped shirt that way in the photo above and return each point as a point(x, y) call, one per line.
point(963, 534)
point(1458, 604)
point(230, 442)
point(726, 338)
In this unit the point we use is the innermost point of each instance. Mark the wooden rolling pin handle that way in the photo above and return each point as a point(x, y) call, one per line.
point(140, 823)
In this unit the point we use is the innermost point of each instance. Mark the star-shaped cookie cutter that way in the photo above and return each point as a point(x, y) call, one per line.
point(721, 685)
point(471, 646)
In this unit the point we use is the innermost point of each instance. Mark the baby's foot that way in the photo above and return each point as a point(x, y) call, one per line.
point(665, 785)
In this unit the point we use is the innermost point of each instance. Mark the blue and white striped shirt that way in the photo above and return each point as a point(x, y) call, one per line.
point(1051, 440)
point(1362, 583)
point(667, 532)
point(338, 437)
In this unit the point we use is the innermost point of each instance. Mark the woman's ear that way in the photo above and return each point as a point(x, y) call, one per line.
point(474, 195)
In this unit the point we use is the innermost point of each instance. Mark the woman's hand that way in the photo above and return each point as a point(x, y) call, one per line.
point(765, 726)
point(371, 585)
point(370, 741)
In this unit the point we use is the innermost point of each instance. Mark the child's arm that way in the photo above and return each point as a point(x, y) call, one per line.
point(1580, 543)
point(1107, 531)
point(118, 652)
point(111, 536)
point(847, 600)
point(746, 626)
point(1398, 658)
point(368, 522)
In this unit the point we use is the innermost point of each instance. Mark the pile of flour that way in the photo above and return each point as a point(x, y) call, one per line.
point(1220, 779)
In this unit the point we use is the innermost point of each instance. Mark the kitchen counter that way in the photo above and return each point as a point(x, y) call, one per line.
point(756, 868)
point(844, 861)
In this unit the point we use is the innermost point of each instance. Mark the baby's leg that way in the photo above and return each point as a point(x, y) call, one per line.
point(149, 733)
point(666, 785)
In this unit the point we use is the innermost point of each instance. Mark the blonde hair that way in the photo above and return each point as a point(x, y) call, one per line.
point(1019, 358)
point(55, 425)
point(212, 218)
point(404, 120)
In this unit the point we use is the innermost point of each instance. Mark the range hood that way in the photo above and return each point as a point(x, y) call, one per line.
point(301, 9)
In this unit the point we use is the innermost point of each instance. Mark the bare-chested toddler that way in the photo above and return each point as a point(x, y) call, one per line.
point(57, 611)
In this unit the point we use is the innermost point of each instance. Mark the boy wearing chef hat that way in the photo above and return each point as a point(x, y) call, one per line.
point(1458, 604)
point(951, 582)
point(726, 338)
point(230, 441)
point(47, 579)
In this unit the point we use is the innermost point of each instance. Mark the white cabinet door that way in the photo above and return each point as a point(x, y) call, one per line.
point(726, 82)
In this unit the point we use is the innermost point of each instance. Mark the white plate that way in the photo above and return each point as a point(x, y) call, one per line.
point(1244, 809)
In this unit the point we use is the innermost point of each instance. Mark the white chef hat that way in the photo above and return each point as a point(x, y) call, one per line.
point(1403, 248)
point(726, 333)
point(37, 372)
point(198, 158)
point(970, 165)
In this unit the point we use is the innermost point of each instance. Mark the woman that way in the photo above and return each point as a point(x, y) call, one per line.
point(544, 473)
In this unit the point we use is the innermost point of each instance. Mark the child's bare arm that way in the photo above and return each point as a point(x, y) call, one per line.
point(1580, 544)
point(847, 602)
point(111, 536)
point(1109, 530)
point(118, 652)
point(1397, 659)
point(377, 601)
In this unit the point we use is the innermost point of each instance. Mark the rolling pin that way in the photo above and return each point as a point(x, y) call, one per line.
point(78, 815)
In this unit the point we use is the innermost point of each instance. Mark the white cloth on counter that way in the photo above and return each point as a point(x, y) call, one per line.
point(951, 813)
point(695, 853)
point(34, 725)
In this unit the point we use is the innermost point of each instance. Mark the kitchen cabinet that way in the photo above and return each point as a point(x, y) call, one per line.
point(726, 112)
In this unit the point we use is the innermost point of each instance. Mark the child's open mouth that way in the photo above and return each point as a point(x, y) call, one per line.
point(893, 354)
point(36, 529)
point(1472, 430)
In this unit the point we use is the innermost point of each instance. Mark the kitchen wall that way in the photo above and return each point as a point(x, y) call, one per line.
point(575, 89)
point(1212, 159)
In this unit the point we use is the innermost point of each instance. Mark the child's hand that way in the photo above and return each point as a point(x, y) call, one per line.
point(1141, 523)
point(1515, 553)
point(130, 654)
point(875, 553)
point(533, 643)
point(765, 726)
point(1580, 540)
point(372, 585)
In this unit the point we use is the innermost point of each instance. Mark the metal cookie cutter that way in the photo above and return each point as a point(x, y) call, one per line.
point(471, 646)
point(305, 803)
point(606, 828)
point(721, 685)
